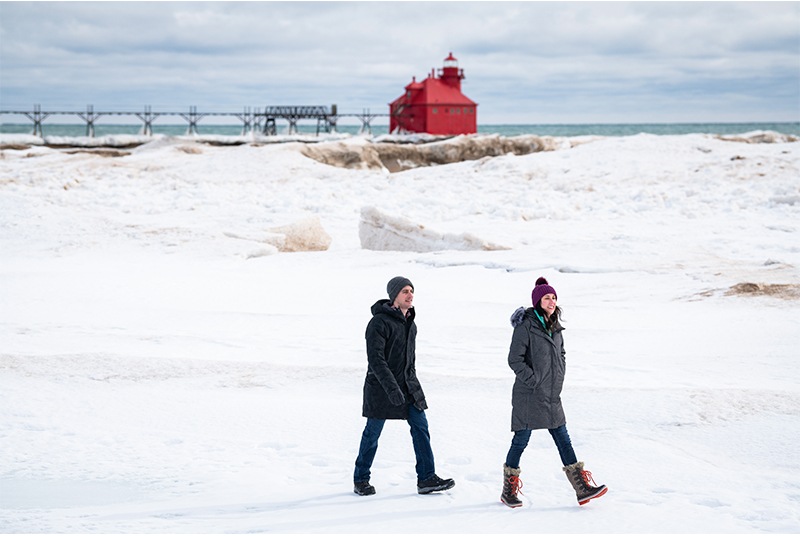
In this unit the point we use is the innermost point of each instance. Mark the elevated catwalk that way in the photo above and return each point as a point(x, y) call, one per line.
point(253, 120)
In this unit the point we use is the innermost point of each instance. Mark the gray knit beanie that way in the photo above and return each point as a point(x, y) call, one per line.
point(395, 285)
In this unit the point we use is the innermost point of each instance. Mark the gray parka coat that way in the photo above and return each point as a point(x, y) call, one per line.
point(391, 345)
point(539, 363)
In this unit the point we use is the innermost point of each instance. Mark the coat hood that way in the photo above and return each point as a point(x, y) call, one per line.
point(519, 316)
point(384, 307)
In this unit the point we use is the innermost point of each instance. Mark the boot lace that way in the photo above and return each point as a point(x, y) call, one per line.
point(587, 477)
point(515, 484)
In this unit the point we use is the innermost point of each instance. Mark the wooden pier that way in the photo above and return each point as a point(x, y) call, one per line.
point(252, 120)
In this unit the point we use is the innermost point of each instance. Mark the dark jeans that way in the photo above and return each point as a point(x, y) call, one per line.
point(521, 438)
point(420, 437)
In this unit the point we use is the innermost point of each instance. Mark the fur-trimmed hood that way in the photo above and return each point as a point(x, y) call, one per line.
point(518, 317)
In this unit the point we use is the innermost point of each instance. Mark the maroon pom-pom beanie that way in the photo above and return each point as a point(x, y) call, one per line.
point(541, 288)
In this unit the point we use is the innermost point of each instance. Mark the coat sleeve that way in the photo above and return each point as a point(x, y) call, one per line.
point(517, 353)
point(377, 335)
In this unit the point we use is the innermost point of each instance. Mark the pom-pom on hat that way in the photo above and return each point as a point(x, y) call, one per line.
point(541, 289)
point(395, 285)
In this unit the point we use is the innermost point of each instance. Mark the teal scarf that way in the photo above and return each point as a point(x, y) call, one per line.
point(541, 320)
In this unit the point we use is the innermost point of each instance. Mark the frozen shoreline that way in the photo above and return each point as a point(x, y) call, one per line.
point(166, 367)
point(9, 140)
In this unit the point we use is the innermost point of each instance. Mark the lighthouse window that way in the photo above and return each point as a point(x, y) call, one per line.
point(435, 110)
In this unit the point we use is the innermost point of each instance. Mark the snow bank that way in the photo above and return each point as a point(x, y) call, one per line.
point(303, 235)
point(12, 141)
point(784, 291)
point(411, 138)
point(381, 232)
point(119, 140)
point(345, 155)
point(760, 136)
point(19, 141)
point(403, 156)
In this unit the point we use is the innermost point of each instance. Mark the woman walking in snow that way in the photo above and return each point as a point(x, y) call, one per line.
point(537, 358)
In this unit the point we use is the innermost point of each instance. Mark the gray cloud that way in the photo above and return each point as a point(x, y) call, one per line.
point(524, 61)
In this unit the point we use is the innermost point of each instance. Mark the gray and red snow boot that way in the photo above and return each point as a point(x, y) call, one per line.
point(511, 486)
point(583, 483)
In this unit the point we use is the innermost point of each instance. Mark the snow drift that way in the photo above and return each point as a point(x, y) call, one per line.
point(303, 235)
point(382, 232)
point(395, 156)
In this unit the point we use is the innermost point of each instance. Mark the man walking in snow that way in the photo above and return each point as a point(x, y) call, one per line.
point(392, 390)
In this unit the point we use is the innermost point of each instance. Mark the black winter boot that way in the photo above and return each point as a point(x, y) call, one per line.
point(583, 483)
point(434, 483)
point(363, 488)
point(511, 486)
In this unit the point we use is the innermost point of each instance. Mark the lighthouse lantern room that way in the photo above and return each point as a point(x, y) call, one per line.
point(435, 105)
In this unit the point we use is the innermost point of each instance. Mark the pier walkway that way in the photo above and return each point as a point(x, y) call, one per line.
point(252, 120)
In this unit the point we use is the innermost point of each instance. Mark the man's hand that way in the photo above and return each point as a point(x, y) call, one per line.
point(397, 397)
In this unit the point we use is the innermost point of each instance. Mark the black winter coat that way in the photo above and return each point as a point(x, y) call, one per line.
point(539, 363)
point(391, 342)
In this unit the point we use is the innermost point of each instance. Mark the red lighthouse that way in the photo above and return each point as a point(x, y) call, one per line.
point(435, 105)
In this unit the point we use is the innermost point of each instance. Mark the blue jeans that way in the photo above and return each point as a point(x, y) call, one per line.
point(420, 436)
point(560, 436)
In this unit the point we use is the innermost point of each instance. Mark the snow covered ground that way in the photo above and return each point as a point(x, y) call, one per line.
point(166, 367)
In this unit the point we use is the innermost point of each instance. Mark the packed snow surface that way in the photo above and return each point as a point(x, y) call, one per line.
point(182, 330)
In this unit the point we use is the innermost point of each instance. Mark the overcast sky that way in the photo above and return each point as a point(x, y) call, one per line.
point(525, 62)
